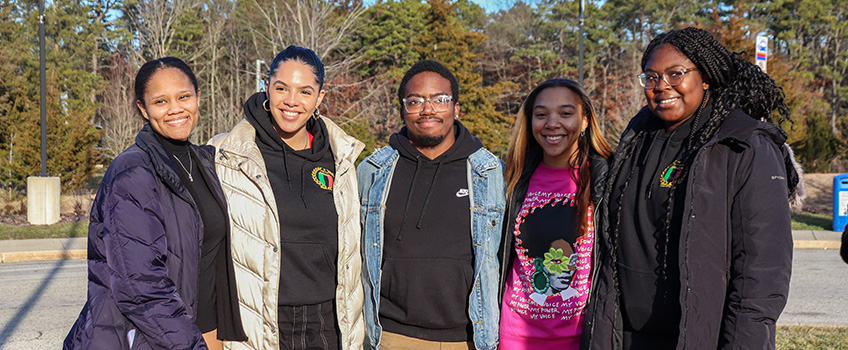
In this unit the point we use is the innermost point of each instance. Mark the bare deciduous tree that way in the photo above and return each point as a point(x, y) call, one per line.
point(322, 26)
point(152, 22)
point(118, 112)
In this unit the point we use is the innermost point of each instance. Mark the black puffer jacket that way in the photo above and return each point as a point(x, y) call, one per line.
point(735, 252)
point(144, 244)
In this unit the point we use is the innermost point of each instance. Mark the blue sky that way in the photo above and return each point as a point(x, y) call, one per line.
point(488, 5)
point(494, 5)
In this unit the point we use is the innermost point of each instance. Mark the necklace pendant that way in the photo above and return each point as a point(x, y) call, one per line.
point(187, 170)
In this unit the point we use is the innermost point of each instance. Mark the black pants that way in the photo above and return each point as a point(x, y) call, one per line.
point(308, 327)
point(639, 340)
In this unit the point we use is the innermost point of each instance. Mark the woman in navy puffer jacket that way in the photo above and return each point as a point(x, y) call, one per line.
point(160, 275)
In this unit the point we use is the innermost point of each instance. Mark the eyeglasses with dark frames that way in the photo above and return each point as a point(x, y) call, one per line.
point(672, 77)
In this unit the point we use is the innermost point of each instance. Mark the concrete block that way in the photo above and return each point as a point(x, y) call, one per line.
point(43, 207)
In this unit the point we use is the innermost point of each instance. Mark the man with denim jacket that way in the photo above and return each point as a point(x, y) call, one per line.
point(432, 210)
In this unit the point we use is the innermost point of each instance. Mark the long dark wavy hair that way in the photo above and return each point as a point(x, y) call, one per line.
point(734, 83)
point(524, 149)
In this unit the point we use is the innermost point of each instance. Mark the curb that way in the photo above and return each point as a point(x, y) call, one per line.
point(817, 245)
point(29, 254)
point(43, 255)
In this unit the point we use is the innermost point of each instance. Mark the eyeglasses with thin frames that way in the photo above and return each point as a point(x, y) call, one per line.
point(440, 103)
point(672, 77)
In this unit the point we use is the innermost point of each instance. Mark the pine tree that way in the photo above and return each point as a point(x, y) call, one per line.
point(72, 86)
point(445, 40)
point(813, 143)
point(388, 37)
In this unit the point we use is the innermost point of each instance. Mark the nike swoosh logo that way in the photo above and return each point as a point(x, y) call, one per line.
point(463, 192)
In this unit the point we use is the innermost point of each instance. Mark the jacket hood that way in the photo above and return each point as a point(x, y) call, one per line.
point(739, 125)
point(266, 135)
point(268, 140)
point(464, 146)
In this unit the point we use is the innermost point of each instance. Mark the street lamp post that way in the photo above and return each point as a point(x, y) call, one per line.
point(43, 191)
point(42, 68)
point(580, 62)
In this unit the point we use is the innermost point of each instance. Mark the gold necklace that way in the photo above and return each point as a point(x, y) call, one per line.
point(188, 171)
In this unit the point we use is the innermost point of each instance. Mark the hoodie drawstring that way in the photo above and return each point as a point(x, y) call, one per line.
point(429, 192)
point(302, 186)
point(409, 196)
point(286, 167)
point(426, 199)
point(659, 163)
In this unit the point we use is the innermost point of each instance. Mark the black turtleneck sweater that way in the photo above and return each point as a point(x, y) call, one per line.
point(428, 260)
point(214, 221)
point(302, 182)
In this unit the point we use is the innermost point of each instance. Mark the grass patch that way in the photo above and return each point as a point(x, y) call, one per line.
point(93, 182)
point(812, 338)
point(63, 230)
point(807, 221)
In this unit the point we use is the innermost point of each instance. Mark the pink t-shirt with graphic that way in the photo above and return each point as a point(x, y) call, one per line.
point(548, 283)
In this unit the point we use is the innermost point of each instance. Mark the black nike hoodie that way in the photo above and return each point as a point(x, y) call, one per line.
point(428, 258)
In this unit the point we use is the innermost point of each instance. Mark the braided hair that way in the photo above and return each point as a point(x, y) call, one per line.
point(734, 83)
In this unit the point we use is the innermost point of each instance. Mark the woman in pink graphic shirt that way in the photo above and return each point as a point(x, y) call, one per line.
point(555, 160)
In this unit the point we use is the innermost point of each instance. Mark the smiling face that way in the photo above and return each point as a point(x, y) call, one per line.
point(674, 104)
point(293, 95)
point(556, 121)
point(170, 104)
point(429, 131)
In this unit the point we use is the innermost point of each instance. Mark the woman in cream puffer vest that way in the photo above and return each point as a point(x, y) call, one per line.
point(297, 271)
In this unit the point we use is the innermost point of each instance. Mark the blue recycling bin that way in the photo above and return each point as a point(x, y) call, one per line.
point(840, 202)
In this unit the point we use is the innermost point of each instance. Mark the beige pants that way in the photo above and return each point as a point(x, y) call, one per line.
point(393, 341)
point(212, 341)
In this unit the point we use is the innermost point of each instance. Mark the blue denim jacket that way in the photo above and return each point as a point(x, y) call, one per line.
point(487, 195)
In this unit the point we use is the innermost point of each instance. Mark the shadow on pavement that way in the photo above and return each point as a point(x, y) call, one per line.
point(25, 309)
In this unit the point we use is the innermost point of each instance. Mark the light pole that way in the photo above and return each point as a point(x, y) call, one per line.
point(259, 64)
point(580, 62)
point(43, 191)
point(42, 63)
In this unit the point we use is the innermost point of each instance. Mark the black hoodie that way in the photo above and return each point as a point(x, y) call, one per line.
point(302, 182)
point(428, 257)
point(649, 277)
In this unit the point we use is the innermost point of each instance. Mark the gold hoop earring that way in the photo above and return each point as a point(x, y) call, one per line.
point(316, 114)
point(266, 106)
